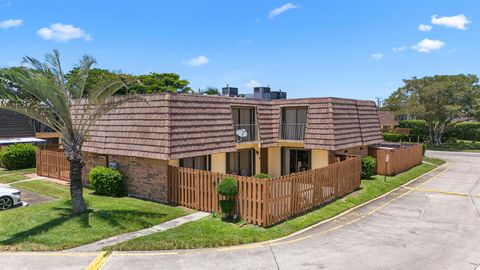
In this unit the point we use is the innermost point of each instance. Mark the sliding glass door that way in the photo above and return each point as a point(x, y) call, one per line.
point(295, 160)
point(241, 162)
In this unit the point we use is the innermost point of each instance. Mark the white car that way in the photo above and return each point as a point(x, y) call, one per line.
point(9, 197)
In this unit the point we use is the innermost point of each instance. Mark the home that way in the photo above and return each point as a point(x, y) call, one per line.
point(227, 134)
point(387, 120)
point(18, 128)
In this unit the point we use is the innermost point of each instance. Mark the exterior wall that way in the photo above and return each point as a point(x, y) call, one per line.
point(174, 162)
point(256, 147)
point(275, 156)
point(143, 177)
point(354, 151)
point(219, 162)
point(320, 158)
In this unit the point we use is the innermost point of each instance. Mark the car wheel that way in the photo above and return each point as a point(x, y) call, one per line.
point(6, 203)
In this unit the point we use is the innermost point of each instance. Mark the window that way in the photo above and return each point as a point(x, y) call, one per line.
point(241, 162)
point(244, 124)
point(295, 160)
point(198, 163)
point(293, 123)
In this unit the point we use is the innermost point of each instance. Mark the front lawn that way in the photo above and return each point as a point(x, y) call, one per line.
point(51, 226)
point(10, 176)
point(462, 146)
point(212, 232)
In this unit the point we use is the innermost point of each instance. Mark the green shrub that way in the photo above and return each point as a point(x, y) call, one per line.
point(394, 137)
point(228, 187)
point(369, 165)
point(469, 131)
point(227, 206)
point(262, 176)
point(18, 156)
point(106, 181)
point(418, 128)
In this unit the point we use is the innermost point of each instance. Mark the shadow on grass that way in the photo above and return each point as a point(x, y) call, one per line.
point(115, 219)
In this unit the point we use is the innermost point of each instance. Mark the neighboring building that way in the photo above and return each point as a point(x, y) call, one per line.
point(387, 120)
point(228, 135)
point(18, 128)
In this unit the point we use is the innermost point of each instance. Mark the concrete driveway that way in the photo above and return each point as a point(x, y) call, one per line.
point(433, 223)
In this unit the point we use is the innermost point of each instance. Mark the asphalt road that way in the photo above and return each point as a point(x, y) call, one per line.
point(433, 223)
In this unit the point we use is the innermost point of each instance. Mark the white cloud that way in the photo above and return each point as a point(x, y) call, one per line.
point(277, 11)
point(428, 45)
point(252, 84)
point(198, 61)
point(63, 32)
point(377, 56)
point(399, 49)
point(424, 27)
point(10, 23)
point(458, 21)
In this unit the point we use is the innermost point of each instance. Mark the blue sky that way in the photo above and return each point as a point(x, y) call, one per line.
point(307, 48)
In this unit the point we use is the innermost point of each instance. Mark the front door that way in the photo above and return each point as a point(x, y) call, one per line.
point(295, 160)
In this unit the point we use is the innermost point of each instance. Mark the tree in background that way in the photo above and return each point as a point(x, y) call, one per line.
point(437, 100)
point(210, 91)
point(160, 82)
point(43, 92)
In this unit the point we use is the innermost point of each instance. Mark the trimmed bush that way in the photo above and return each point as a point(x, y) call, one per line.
point(368, 167)
point(418, 128)
point(394, 137)
point(227, 206)
point(228, 187)
point(262, 176)
point(106, 181)
point(18, 156)
point(469, 131)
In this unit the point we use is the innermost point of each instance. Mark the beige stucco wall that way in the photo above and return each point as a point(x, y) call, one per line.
point(319, 158)
point(218, 162)
point(174, 162)
point(275, 156)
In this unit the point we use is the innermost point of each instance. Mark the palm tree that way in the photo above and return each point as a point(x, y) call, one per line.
point(41, 91)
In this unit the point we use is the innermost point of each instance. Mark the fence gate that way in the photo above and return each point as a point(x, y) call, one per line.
point(53, 163)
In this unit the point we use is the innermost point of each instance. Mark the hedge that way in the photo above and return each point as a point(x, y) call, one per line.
point(469, 131)
point(394, 137)
point(18, 156)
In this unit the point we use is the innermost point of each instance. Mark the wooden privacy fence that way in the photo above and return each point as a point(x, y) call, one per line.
point(265, 202)
point(53, 163)
point(400, 157)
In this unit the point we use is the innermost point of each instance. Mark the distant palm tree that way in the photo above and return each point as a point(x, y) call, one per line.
point(41, 91)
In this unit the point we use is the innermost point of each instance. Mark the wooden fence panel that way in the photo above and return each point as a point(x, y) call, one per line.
point(400, 160)
point(53, 163)
point(265, 202)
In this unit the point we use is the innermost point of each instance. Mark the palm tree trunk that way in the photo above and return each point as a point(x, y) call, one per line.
point(76, 186)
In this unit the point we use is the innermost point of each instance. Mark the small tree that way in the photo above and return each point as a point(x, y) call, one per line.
point(43, 92)
point(228, 188)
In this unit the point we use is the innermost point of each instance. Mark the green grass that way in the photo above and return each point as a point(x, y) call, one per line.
point(460, 146)
point(213, 232)
point(29, 170)
point(435, 161)
point(10, 176)
point(51, 226)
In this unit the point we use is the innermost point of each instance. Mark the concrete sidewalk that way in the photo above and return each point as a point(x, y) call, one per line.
point(99, 245)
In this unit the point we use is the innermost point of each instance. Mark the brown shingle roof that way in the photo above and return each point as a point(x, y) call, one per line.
point(15, 125)
point(387, 118)
point(172, 126)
